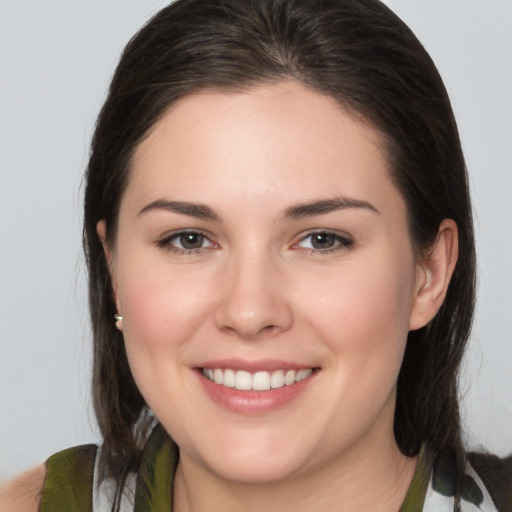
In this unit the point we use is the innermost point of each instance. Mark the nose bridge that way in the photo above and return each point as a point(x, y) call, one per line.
point(253, 300)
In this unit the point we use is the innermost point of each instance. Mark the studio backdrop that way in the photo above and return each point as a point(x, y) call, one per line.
point(56, 59)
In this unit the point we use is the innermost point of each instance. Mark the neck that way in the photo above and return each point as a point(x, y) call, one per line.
point(342, 484)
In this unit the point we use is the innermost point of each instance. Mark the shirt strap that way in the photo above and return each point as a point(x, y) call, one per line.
point(415, 498)
point(156, 474)
point(69, 479)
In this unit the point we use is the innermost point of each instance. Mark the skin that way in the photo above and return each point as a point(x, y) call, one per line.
point(257, 288)
point(254, 289)
point(22, 493)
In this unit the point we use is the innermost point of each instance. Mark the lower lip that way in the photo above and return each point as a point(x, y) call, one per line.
point(254, 402)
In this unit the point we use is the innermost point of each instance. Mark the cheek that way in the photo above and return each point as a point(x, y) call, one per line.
point(160, 314)
point(160, 310)
point(363, 315)
point(156, 300)
point(371, 298)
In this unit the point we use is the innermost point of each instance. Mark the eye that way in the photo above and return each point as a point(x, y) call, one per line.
point(324, 241)
point(186, 242)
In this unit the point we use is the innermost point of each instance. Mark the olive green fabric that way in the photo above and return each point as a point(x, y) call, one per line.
point(415, 498)
point(156, 474)
point(68, 485)
point(69, 480)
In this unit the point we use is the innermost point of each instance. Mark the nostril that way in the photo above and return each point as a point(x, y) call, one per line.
point(254, 312)
point(247, 333)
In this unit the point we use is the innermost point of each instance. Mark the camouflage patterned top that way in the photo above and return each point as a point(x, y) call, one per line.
point(70, 484)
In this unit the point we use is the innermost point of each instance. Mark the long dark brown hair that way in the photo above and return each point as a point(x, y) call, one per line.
point(364, 56)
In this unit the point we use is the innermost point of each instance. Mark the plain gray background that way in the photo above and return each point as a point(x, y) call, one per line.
point(56, 58)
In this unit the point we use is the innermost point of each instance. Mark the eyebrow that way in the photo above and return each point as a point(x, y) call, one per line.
point(323, 206)
point(200, 211)
point(298, 211)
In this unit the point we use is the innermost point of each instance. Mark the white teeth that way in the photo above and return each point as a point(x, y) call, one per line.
point(217, 376)
point(289, 377)
point(277, 379)
point(303, 374)
point(229, 378)
point(259, 381)
point(243, 381)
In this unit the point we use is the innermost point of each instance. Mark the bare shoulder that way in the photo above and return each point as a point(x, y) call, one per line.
point(22, 493)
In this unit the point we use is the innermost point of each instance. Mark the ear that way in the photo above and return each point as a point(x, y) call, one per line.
point(433, 275)
point(101, 229)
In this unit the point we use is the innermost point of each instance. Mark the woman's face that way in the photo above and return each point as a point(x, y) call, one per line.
point(261, 241)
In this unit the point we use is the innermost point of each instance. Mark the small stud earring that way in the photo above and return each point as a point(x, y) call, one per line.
point(119, 321)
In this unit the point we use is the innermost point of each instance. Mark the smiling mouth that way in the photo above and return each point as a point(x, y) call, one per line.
point(258, 381)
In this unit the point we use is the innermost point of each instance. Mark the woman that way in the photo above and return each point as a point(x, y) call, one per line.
point(277, 217)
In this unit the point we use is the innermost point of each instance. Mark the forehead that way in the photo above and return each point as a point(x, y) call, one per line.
point(282, 141)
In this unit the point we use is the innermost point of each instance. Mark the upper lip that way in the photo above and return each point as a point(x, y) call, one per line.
point(253, 366)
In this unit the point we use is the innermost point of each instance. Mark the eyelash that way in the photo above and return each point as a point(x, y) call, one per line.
point(166, 243)
point(341, 242)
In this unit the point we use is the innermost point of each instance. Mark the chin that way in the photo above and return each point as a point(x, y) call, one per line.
point(256, 470)
point(251, 457)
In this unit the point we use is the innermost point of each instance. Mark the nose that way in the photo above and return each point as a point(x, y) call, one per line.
point(253, 300)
